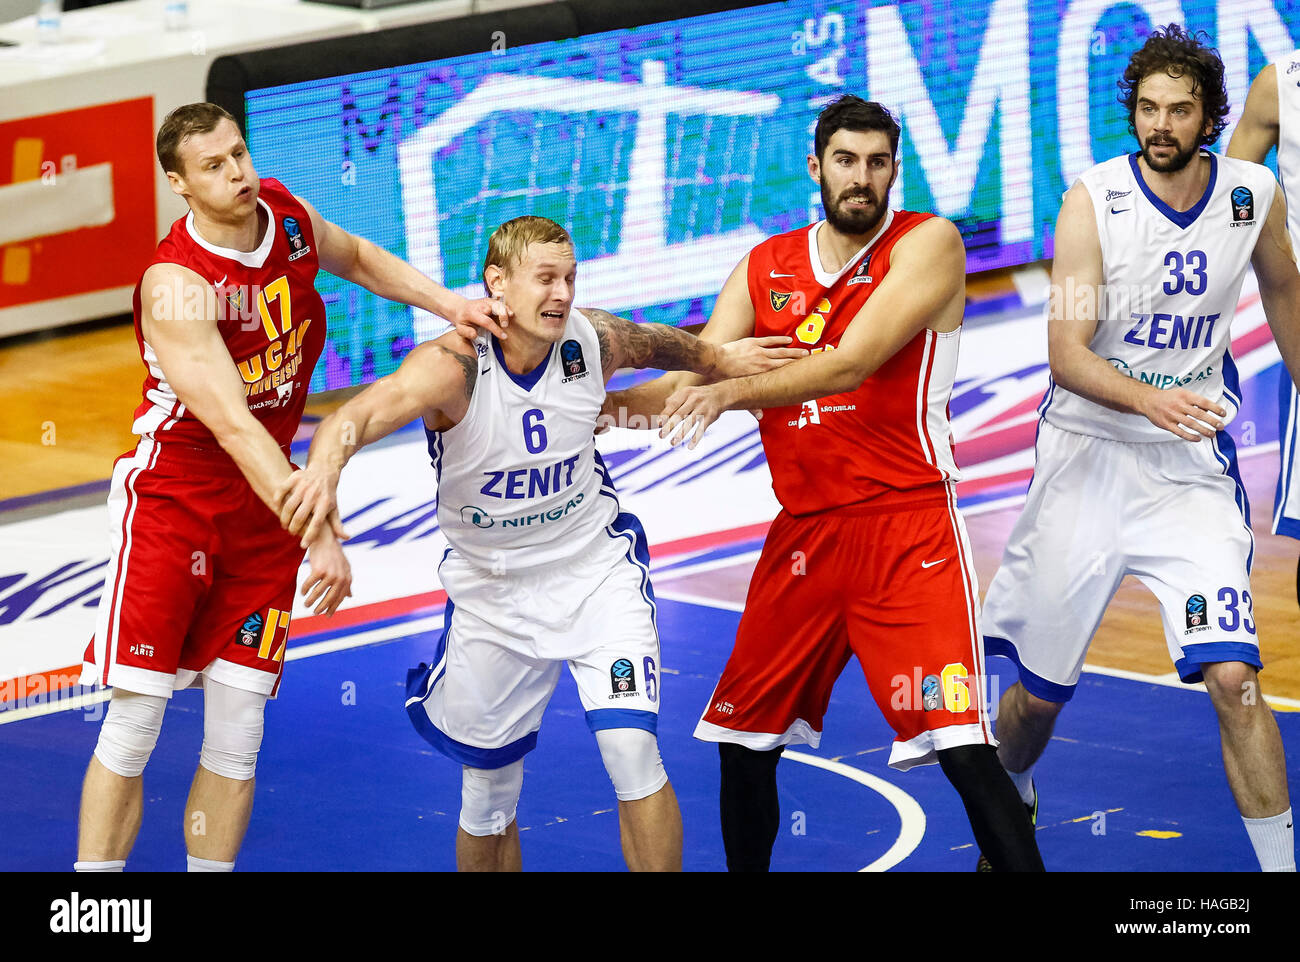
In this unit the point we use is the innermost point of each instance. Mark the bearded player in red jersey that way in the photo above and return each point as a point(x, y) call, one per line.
point(870, 555)
point(200, 583)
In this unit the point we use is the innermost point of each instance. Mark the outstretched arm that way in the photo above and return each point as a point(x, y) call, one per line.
point(732, 320)
point(1256, 132)
point(926, 283)
point(435, 382)
point(625, 343)
point(358, 260)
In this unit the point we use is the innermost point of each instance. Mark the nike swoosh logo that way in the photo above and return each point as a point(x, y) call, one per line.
point(222, 281)
point(931, 564)
point(774, 275)
point(1121, 210)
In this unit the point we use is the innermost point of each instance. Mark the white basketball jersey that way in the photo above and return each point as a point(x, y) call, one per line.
point(520, 482)
point(1288, 137)
point(1172, 284)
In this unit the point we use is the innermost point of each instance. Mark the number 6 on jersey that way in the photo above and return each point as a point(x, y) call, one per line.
point(534, 431)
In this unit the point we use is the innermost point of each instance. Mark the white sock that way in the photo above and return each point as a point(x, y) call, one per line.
point(207, 865)
point(1024, 782)
point(1274, 841)
point(116, 866)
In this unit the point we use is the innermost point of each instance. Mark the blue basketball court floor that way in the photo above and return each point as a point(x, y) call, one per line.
point(1132, 781)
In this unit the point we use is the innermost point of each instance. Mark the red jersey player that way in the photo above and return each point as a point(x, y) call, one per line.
point(870, 555)
point(201, 578)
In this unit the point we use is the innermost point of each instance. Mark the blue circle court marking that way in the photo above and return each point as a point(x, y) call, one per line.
point(910, 813)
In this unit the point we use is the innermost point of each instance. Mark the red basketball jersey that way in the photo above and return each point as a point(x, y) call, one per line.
point(269, 315)
point(888, 440)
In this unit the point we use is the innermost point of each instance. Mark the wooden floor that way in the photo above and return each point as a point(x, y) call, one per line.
point(68, 403)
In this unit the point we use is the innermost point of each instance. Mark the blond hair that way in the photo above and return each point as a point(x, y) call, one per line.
point(184, 121)
point(508, 242)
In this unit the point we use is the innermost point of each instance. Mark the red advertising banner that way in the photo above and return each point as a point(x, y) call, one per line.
point(76, 201)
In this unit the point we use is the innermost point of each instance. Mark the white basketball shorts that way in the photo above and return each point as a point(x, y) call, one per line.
point(505, 638)
point(1173, 514)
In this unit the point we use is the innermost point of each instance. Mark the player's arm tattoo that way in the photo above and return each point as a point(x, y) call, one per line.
point(468, 364)
point(625, 343)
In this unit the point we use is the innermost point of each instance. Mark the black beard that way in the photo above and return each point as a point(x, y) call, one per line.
point(853, 223)
point(1174, 164)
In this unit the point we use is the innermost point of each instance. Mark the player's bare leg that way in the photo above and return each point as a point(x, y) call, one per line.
point(650, 829)
point(1252, 745)
point(489, 853)
point(1254, 762)
point(1024, 727)
point(110, 814)
point(216, 815)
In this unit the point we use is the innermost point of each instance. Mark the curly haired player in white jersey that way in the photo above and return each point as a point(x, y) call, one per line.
point(544, 567)
point(1151, 251)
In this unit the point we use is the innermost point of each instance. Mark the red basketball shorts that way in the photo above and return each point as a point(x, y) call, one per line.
point(200, 579)
point(896, 586)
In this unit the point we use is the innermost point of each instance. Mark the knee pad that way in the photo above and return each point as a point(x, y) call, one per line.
point(130, 732)
point(489, 797)
point(232, 730)
point(631, 757)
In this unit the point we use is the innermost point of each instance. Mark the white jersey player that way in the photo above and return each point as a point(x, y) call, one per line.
point(1272, 118)
point(544, 568)
point(1135, 473)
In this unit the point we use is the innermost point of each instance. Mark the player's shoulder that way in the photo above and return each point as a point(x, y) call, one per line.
point(924, 233)
point(1109, 180)
point(1237, 167)
point(270, 189)
point(932, 226)
point(452, 344)
point(588, 317)
point(283, 202)
point(165, 273)
point(1284, 66)
point(781, 244)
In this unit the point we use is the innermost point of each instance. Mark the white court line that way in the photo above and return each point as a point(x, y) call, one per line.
point(909, 811)
point(1171, 680)
point(359, 640)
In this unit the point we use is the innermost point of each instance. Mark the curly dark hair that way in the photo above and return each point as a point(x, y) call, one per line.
point(1174, 51)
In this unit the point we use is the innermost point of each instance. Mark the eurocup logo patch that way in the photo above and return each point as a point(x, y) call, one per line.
point(862, 275)
point(250, 632)
point(1196, 617)
point(621, 677)
point(572, 361)
point(930, 692)
point(297, 243)
point(1243, 204)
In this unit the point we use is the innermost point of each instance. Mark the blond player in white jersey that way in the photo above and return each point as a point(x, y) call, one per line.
point(1271, 118)
point(1135, 473)
point(544, 567)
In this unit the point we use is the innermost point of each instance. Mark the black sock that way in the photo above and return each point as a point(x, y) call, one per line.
point(751, 813)
point(997, 815)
